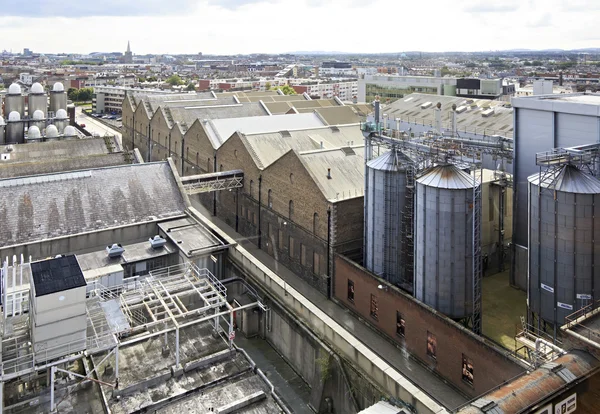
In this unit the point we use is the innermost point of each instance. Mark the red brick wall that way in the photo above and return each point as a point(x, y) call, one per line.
point(300, 89)
point(203, 84)
point(490, 366)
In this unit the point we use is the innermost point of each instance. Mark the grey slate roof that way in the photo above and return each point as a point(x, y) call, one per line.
point(568, 179)
point(46, 206)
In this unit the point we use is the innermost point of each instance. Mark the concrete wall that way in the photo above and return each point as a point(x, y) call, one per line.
point(82, 243)
point(329, 331)
point(491, 366)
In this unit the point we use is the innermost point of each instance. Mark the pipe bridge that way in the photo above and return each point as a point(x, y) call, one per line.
point(217, 181)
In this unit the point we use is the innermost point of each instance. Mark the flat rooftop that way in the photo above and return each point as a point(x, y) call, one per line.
point(584, 325)
point(191, 238)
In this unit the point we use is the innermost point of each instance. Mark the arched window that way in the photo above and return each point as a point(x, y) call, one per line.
point(187, 153)
point(270, 198)
point(197, 158)
point(291, 213)
point(221, 167)
point(251, 188)
point(291, 178)
point(315, 223)
point(208, 165)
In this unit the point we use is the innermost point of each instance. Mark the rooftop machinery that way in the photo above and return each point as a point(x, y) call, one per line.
point(441, 225)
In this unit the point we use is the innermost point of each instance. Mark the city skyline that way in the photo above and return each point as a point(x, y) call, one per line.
point(383, 26)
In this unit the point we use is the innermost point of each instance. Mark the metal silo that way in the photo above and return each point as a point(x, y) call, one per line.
point(2, 131)
point(14, 129)
point(562, 249)
point(61, 120)
point(33, 134)
point(52, 133)
point(38, 101)
point(385, 200)
point(444, 240)
point(14, 101)
point(58, 98)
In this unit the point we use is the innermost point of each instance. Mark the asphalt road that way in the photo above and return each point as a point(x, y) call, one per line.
point(95, 127)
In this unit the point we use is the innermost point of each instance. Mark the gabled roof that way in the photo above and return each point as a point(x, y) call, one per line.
point(46, 206)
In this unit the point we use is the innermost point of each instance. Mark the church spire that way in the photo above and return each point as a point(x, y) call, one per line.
point(128, 48)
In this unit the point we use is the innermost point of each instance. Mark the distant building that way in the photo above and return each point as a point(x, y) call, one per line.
point(128, 58)
point(392, 87)
point(109, 99)
point(336, 68)
point(27, 52)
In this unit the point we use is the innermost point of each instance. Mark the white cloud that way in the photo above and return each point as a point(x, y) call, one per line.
point(275, 26)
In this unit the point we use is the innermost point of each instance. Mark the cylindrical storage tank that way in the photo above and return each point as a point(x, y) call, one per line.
point(61, 120)
point(562, 249)
point(14, 129)
point(70, 132)
point(2, 131)
point(38, 119)
point(450, 90)
point(444, 240)
point(51, 133)
point(385, 201)
point(58, 98)
point(38, 101)
point(33, 134)
point(14, 101)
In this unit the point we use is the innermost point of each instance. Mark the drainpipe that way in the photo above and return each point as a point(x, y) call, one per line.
point(329, 290)
point(214, 192)
point(182, 154)
point(259, 200)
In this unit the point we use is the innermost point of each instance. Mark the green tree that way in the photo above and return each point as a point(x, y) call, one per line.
point(267, 86)
point(536, 63)
point(445, 71)
point(151, 78)
point(174, 80)
point(190, 87)
point(72, 94)
point(85, 94)
point(286, 89)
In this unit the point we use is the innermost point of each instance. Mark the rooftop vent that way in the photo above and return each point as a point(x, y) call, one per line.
point(348, 151)
point(285, 133)
point(487, 112)
point(336, 129)
point(116, 250)
point(426, 105)
point(157, 242)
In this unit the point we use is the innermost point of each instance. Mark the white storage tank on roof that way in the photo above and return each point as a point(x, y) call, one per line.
point(33, 134)
point(14, 101)
point(444, 240)
point(564, 231)
point(14, 129)
point(38, 101)
point(51, 132)
point(58, 98)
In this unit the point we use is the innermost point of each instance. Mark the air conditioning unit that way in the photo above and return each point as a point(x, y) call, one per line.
point(116, 250)
point(157, 242)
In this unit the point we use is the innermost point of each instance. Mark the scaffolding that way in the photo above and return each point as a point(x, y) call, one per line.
point(164, 302)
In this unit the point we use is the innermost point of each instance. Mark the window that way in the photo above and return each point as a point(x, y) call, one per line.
point(270, 198)
point(315, 223)
point(374, 307)
point(197, 158)
point(431, 345)
point(291, 210)
point(208, 165)
point(316, 263)
point(221, 167)
point(400, 324)
point(467, 370)
point(187, 153)
point(302, 254)
point(280, 239)
point(291, 244)
point(291, 178)
point(350, 290)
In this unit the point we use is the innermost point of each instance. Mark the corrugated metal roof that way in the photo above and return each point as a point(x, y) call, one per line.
point(520, 394)
point(568, 179)
point(219, 130)
point(446, 176)
point(393, 160)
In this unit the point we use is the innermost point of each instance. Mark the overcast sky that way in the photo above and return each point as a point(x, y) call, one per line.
point(277, 26)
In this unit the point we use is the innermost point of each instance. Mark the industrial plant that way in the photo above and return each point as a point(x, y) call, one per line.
point(37, 116)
